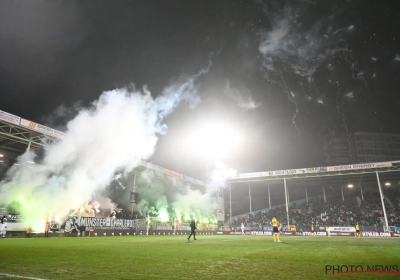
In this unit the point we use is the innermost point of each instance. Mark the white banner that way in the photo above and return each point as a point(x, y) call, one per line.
point(359, 166)
point(376, 234)
point(307, 233)
point(314, 170)
point(167, 226)
point(17, 227)
point(183, 227)
point(4, 116)
point(342, 229)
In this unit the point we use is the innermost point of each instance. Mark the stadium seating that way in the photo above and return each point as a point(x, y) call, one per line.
point(333, 212)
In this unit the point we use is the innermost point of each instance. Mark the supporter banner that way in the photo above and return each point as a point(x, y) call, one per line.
point(41, 128)
point(4, 116)
point(77, 224)
point(342, 229)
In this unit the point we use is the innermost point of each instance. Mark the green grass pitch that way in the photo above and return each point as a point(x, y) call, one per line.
point(210, 257)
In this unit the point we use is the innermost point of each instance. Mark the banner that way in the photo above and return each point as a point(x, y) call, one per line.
point(360, 166)
point(77, 224)
point(173, 173)
point(340, 233)
point(166, 226)
point(41, 128)
point(313, 170)
point(375, 234)
point(342, 229)
point(253, 175)
point(318, 233)
point(16, 227)
point(4, 116)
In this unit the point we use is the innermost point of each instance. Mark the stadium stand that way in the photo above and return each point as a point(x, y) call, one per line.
point(333, 212)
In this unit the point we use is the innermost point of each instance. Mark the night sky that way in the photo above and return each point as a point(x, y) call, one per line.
point(284, 73)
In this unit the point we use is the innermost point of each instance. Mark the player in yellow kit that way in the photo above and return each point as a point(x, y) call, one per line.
point(358, 230)
point(275, 231)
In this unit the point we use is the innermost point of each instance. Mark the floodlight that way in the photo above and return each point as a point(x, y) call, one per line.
point(1, 155)
point(350, 186)
point(387, 184)
point(215, 140)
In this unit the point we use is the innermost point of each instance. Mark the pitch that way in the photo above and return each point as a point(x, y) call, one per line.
point(210, 257)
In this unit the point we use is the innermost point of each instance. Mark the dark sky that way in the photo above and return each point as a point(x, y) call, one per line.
point(308, 67)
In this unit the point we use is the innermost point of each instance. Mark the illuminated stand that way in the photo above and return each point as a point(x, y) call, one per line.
point(315, 174)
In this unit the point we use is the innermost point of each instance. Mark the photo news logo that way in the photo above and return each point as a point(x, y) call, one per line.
point(358, 268)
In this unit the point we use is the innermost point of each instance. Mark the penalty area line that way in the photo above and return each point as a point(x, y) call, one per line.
point(19, 276)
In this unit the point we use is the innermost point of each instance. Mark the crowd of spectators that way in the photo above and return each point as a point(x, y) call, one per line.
point(334, 212)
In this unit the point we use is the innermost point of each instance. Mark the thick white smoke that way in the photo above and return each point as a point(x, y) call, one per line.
point(113, 134)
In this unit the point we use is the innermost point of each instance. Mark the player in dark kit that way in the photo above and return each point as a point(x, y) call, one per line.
point(192, 228)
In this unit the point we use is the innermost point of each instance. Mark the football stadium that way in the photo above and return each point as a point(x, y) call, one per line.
point(334, 221)
point(228, 139)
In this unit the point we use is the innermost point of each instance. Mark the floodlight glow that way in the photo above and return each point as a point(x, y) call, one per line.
point(387, 184)
point(215, 140)
point(1, 155)
point(350, 185)
point(1, 161)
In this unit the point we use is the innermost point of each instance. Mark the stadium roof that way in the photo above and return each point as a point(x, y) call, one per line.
point(343, 174)
point(17, 134)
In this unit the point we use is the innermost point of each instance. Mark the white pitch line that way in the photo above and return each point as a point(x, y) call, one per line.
point(20, 276)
